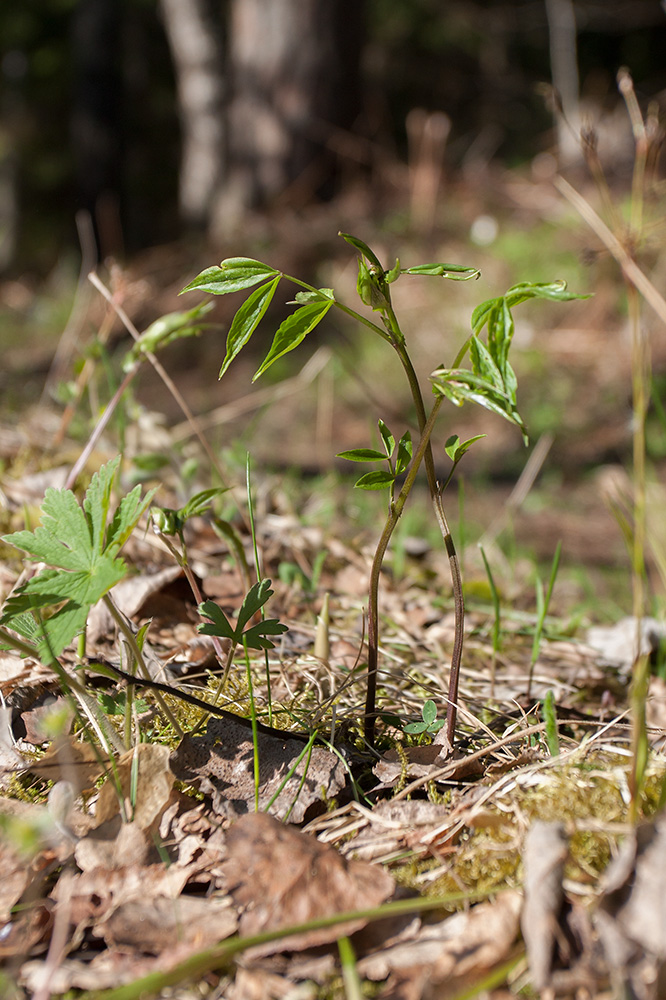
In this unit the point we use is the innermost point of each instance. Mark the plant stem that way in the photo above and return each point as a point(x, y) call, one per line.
point(459, 612)
point(136, 652)
point(373, 597)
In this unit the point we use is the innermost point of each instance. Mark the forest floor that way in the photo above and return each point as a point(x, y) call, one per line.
point(237, 860)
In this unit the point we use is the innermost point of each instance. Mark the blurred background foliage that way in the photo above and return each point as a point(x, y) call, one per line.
point(94, 112)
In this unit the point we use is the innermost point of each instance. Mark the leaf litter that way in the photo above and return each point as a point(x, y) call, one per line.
point(503, 862)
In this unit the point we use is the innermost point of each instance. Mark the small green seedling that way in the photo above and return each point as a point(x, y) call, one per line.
point(430, 724)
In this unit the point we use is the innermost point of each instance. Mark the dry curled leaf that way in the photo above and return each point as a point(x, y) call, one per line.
point(145, 793)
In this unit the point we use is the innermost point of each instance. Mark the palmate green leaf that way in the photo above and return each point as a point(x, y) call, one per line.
point(82, 552)
point(379, 480)
point(233, 275)
point(220, 625)
point(63, 538)
point(293, 330)
point(456, 272)
point(247, 319)
point(362, 455)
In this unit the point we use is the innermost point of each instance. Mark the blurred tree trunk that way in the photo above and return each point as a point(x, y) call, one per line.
point(294, 72)
point(95, 120)
point(564, 74)
point(195, 39)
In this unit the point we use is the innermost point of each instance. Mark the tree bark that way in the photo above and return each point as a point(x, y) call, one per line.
point(294, 67)
point(195, 41)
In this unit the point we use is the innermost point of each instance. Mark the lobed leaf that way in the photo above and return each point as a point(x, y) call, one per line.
point(232, 275)
point(247, 319)
point(293, 330)
point(254, 600)
point(219, 623)
point(255, 637)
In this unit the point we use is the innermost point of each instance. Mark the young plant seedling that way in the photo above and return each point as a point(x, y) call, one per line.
point(490, 382)
point(430, 725)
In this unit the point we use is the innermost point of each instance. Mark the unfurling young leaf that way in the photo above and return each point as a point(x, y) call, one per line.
point(404, 456)
point(165, 330)
point(387, 438)
point(456, 272)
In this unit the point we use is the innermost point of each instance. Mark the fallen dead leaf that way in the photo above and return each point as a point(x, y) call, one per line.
point(221, 763)
point(282, 877)
point(151, 785)
point(544, 855)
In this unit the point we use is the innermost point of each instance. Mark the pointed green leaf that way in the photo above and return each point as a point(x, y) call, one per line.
point(404, 456)
point(97, 501)
point(200, 502)
point(394, 273)
point(293, 330)
point(456, 272)
point(233, 275)
point(362, 455)
point(461, 449)
point(387, 438)
point(362, 248)
point(378, 480)
point(451, 446)
point(247, 319)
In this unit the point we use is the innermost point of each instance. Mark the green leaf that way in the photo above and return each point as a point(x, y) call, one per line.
point(293, 330)
point(255, 637)
point(254, 600)
point(451, 446)
point(456, 272)
point(394, 273)
point(461, 449)
point(362, 455)
point(404, 455)
point(387, 438)
point(200, 502)
point(314, 295)
point(429, 712)
point(233, 275)
point(219, 623)
point(415, 727)
point(362, 248)
point(82, 551)
point(378, 480)
point(166, 329)
point(247, 319)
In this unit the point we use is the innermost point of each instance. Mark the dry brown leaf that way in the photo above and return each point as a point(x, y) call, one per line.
point(283, 877)
point(462, 945)
point(68, 759)
point(154, 781)
point(544, 855)
point(157, 924)
point(635, 893)
point(221, 763)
